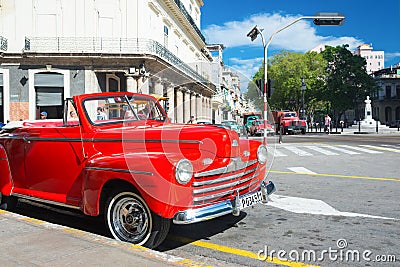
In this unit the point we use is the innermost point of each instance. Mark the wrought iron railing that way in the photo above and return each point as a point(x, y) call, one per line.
point(3, 44)
point(189, 18)
point(109, 45)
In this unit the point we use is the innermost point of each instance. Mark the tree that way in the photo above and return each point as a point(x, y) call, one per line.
point(253, 94)
point(347, 80)
point(286, 70)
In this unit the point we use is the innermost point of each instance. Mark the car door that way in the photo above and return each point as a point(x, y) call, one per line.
point(53, 163)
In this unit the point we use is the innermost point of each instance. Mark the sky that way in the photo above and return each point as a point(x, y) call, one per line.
point(227, 22)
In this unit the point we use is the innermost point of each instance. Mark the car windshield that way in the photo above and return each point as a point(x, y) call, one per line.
point(112, 109)
point(290, 115)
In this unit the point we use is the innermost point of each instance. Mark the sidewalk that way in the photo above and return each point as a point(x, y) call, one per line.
point(30, 242)
point(355, 130)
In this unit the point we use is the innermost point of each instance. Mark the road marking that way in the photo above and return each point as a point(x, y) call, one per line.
point(362, 149)
point(301, 170)
point(342, 150)
point(278, 153)
point(235, 251)
point(321, 150)
point(340, 176)
point(297, 151)
point(313, 206)
point(383, 148)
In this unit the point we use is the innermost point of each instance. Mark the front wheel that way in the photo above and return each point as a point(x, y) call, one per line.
point(129, 219)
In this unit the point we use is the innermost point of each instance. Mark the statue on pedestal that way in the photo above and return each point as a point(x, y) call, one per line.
point(368, 110)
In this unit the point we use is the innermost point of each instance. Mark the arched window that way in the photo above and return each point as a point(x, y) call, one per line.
point(397, 113)
point(113, 83)
point(388, 115)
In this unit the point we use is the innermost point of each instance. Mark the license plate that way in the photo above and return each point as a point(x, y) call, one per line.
point(250, 200)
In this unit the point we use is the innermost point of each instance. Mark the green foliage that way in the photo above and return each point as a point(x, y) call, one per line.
point(348, 80)
point(334, 79)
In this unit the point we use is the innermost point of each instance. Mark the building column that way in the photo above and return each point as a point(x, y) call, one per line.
point(208, 105)
point(158, 87)
point(131, 84)
point(143, 85)
point(203, 107)
point(171, 101)
point(193, 105)
point(186, 106)
point(179, 106)
point(198, 106)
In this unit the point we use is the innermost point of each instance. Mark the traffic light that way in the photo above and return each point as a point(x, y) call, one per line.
point(253, 33)
point(166, 105)
point(260, 86)
point(269, 87)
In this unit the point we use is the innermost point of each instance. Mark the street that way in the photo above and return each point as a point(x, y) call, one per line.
point(336, 204)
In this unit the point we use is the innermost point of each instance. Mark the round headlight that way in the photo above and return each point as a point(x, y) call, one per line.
point(262, 154)
point(183, 171)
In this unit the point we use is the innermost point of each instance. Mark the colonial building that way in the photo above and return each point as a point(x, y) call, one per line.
point(53, 49)
point(227, 103)
point(375, 59)
point(386, 101)
point(232, 100)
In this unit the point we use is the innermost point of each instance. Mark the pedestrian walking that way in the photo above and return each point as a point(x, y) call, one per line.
point(191, 120)
point(327, 124)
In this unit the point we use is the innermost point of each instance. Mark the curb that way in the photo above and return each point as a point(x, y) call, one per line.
point(162, 258)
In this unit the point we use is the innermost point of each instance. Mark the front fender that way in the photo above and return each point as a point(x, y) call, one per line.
point(152, 174)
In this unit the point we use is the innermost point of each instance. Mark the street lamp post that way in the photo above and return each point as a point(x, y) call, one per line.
point(303, 89)
point(320, 19)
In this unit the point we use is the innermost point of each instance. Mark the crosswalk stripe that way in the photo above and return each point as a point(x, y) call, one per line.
point(342, 150)
point(278, 153)
point(321, 150)
point(301, 170)
point(362, 149)
point(326, 149)
point(297, 151)
point(383, 148)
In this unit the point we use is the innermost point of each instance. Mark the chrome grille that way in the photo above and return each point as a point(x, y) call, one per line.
point(222, 183)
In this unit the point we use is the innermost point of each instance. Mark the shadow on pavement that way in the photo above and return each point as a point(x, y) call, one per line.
point(178, 236)
point(181, 235)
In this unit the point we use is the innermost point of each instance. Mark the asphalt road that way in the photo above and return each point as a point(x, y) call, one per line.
point(337, 203)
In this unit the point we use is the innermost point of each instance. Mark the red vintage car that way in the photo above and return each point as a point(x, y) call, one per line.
point(257, 128)
point(128, 162)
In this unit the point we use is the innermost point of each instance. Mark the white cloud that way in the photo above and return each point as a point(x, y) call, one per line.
point(300, 36)
point(392, 55)
point(246, 66)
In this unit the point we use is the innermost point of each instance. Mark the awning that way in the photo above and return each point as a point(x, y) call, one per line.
point(46, 96)
point(49, 80)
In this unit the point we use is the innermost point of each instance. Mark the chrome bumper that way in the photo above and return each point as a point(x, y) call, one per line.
point(209, 212)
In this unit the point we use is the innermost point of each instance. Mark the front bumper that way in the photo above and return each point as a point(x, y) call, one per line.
point(213, 211)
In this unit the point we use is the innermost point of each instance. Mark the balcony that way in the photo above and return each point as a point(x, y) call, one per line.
point(389, 76)
point(217, 100)
point(118, 46)
point(3, 44)
point(189, 18)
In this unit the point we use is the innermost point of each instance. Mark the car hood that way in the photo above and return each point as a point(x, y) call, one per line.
point(158, 136)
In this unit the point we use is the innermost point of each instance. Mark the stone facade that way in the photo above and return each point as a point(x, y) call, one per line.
point(69, 47)
point(386, 101)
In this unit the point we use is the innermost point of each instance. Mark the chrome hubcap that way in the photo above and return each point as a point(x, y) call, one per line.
point(130, 220)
